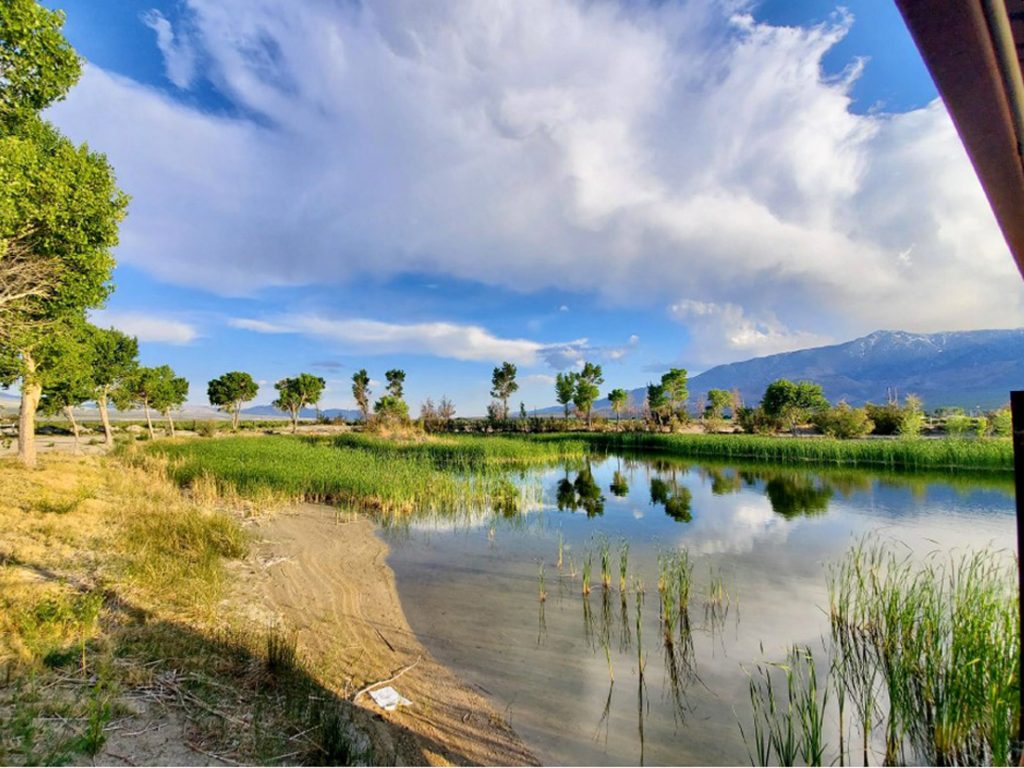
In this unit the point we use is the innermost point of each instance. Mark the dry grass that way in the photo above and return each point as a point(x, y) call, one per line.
point(110, 584)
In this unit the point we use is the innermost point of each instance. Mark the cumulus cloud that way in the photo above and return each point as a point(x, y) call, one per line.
point(642, 152)
point(146, 327)
point(722, 332)
point(441, 339)
point(176, 48)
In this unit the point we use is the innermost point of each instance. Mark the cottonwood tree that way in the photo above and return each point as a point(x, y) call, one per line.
point(503, 385)
point(657, 403)
point(617, 397)
point(587, 382)
point(66, 359)
point(791, 403)
point(169, 393)
point(114, 358)
point(565, 389)
point(295, 394)
point(361, 392)
point(230, 391)
point(674, 383)
point(60, 209)
point(138, 390)
point(396, 382)
point(446, 410)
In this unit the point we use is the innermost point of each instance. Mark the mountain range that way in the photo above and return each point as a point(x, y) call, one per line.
point(970, 369)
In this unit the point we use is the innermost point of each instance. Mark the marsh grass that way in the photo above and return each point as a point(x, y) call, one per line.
point(587, 564)
point(623, 565)
point(435, 475)
point(605, 550)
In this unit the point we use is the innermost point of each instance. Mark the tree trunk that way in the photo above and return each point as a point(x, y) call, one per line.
point(170, 421)
point(588, 418)
point(295, 420)
point(149, 421)
point(101, 402)
point(69, 411)
point(31, 390)
point(234, 417)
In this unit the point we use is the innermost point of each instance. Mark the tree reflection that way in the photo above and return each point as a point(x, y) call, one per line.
point(675, 498)
point(795, 495)
point(619, 486)
point(583, 492)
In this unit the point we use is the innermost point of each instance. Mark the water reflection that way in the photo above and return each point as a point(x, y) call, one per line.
point(676, 499)
point(582, 492)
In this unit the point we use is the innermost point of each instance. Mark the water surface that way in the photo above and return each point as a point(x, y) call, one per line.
point(565, 671)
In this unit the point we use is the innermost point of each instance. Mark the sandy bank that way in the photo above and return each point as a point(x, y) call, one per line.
point(328, 580)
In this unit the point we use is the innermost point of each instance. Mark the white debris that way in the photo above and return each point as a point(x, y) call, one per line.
point(389, 699)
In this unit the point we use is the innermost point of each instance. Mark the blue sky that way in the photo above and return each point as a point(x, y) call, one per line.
point(324, 186)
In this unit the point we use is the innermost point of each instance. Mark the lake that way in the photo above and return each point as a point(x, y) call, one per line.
point(566, 671)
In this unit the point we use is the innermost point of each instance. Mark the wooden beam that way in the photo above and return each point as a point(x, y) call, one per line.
point(954, 39)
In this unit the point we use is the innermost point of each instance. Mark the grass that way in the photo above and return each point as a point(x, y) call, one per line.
point(961, 455)
point(926, 651)
point(366, 472)
point(111, 597)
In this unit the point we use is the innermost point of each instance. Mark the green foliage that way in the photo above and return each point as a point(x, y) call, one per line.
point(396, 382)
point(230, 391)
point(296, 393)
point(115, 356)
point(587, 391)
point(166, 391)
point(1001, 423)
point(843, 422)
point(37, 63)
point(674, 383)
point(65, 361)
point(718, 401)
point(911, 417)
point(886, 418)
point(754, 421)
point(957, 425)
point(503, 385)
point(657, 402)
point(391, 408)
point(361, 392)
point(617, 398)
point(790, 403)
point(565, 389)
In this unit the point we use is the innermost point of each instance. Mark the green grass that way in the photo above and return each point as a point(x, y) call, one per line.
point(442, 475)
point(947, 454)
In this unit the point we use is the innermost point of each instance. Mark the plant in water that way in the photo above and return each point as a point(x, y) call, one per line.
point(561, 549)
point(623, 565)
point(540, 578)
point(586, 574)
point(606, 563)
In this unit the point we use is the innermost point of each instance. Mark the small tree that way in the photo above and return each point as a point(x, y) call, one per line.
point(168, 393)
point(718, 400)
point(588, 382)
point(138, 389)
point(657, 403)
point(446, 410)
point(565, 389)
point(617, 398)
point(67, 383)
point(676, 391)
point(843, 422)
point(1001, 423)
point(396, 382)
point(230, 391)
point(911, 417)
point(790, 404)
point(115, 356)
point(361, 392)
point(428, 415)
point(295, 394)
point(503, 385)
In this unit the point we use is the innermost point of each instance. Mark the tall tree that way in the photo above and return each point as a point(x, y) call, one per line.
point(676, 390)
point(503, 385)
point(718, 401)
point(587, 382)
point(114, 358)
point(396, 382)
point(565, 388)
point(60, 209)
point(295, 394)
point(168, 392)
point(617, 397)
point(230, 391)
point(67, 361)
point(361, 392)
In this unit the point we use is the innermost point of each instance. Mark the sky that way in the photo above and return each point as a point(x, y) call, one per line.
point(329, 185)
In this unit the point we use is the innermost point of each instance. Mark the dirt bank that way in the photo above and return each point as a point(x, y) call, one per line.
point(326, 578)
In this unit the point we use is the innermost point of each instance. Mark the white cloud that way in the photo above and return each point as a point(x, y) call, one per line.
point(642, 152)
point(145, 326)
point(441, 339)
point(723, 332)
point(176, 48)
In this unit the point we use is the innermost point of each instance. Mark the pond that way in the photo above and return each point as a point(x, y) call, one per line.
point(566, 670)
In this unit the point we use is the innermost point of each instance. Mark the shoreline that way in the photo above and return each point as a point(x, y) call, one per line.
point(323, 574)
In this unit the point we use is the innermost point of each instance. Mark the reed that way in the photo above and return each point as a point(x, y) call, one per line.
point(623, 564)
point(605, 551)
point(561, 549)
point(587, 563)
point(542, 594)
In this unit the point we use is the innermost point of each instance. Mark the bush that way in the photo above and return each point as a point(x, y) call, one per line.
point(756, 421)
point(886, 418)
point(206, 428)
point(843, 421)
point(957, 425)
point(1001, 423)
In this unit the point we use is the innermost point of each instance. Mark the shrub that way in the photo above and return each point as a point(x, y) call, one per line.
point(206, 428)
point(1001, 423)
point(886, 418)
point(843, 421)
point(756, 421)
point(957, 425)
